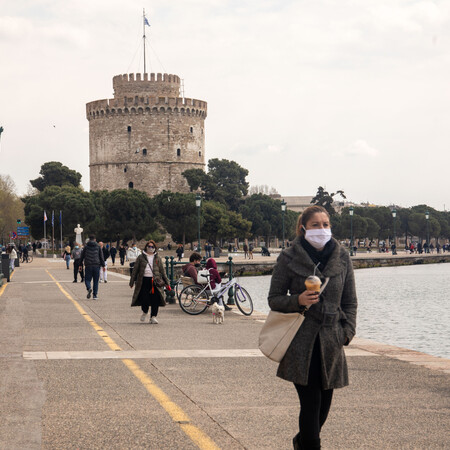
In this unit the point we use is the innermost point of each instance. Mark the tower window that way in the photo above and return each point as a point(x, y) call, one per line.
point(191, 129)
point(178, 151)
point(199, 153)
point(130, 185)
point(129, 129)
point(144, 151)
point(125, 170)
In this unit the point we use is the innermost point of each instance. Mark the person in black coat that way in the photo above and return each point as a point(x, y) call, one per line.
point(113, 253)
point(122, 253)
point(92, 257)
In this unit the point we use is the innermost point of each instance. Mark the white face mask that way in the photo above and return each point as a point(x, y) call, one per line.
point(318, 237)
point(150, 250)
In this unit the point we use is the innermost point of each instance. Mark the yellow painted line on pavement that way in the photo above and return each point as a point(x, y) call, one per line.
point(100, 331)
point(2, 289)
point(197, 436)
point(178, 415)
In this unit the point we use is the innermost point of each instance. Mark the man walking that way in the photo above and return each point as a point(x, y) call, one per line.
point(104, 272)
point(77, 264)
point(92, 256)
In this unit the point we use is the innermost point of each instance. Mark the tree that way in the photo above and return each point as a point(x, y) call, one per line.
point(266, 217)
point(53, 173)
point(178, 214)
point(76, 206)
point(219, 222)
point(224, 183)
point(127, 212)
point(323, 198)
point(11, 207)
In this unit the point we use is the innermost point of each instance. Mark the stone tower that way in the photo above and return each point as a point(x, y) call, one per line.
point(146, 136)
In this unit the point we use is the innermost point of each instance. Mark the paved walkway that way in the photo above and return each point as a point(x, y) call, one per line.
point(78, 373)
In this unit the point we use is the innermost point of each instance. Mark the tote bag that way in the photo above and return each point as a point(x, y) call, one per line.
point(279, 330)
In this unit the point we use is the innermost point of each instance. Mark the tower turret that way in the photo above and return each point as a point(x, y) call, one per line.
point(146, 136)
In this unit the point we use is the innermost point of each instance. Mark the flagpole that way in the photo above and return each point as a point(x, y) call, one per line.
point(53, 233)
point(45, 234)
point(60, 225)
point(143, 37)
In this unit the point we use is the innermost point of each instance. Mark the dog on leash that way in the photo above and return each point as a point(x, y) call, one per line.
point(218, 313)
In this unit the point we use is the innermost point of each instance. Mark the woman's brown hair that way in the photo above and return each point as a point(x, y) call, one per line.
point(151, 241)
point(304, 217)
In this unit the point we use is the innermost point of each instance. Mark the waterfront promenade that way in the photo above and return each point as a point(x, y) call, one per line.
point(78, 373)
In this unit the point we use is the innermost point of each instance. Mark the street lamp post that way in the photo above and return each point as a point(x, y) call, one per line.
point(198, 203)
point(351, 229)
point(394, 249)
point(283, 211)
point(427, 217)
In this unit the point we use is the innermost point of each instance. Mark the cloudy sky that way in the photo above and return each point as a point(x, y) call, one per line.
point(347, 94)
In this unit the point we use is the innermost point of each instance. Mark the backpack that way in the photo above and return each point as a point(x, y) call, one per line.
point(77, 253)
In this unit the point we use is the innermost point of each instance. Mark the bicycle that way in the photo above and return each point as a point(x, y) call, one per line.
point(194, 299)
point(28, 259)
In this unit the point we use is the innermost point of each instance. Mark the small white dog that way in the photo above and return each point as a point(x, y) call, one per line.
point(218, 313)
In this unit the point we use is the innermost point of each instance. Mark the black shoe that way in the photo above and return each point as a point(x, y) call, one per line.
point(74, 281)
point(89, 293)
point(227, 308)
point(106, 281)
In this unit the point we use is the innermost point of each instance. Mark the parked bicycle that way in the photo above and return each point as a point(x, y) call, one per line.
point(197, 298)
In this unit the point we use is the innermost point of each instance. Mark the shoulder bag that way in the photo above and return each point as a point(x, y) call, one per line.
point(279, 330)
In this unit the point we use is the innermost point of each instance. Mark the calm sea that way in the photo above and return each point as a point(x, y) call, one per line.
point(406, 306)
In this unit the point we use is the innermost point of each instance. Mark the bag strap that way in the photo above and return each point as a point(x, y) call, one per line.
point(327, 279)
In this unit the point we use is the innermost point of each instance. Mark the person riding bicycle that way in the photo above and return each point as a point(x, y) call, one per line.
point(24, 254)
point(215, 280)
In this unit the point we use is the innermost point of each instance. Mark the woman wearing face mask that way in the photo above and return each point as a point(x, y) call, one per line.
point(149, 278)
point(315, 361)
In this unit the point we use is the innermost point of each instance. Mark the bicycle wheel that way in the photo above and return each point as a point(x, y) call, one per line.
point(193, 299)
point(243, 300)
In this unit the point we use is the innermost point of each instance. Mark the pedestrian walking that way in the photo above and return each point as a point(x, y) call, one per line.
point(113, 253)
point(180, 251)
point(92, 257)
point(12, 256)
point(104, 272)
point(132, 253)
point(66, 256)
point(315, 361)
point(77, 264)
point(122, 253)
point(245, 248)
point(149, 278)
point(250, 251)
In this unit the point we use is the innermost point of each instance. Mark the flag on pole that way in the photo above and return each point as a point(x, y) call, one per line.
point(45, 216)
point(53, 218)
point(146, 21)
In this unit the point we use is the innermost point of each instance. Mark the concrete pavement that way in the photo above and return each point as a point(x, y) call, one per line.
point(78, 373)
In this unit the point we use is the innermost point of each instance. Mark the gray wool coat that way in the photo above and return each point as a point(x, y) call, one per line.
point(333, 319)
point(137, 277)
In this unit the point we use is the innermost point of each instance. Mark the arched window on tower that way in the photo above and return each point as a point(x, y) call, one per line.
point(178, 151)
point(125, 170)
point(200, 154)
point(130, 185)
point(192, 129)
point(129, 129)
point(144, 151)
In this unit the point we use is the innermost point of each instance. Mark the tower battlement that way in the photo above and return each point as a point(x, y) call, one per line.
point(146, 84)
point(145, 105)
point(146, 136)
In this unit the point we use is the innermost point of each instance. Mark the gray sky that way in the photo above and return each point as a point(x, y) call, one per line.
point(347, 94)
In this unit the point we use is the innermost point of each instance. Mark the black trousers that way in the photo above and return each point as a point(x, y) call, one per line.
point(147, 299)
point(76, 269)
point(315, 402)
